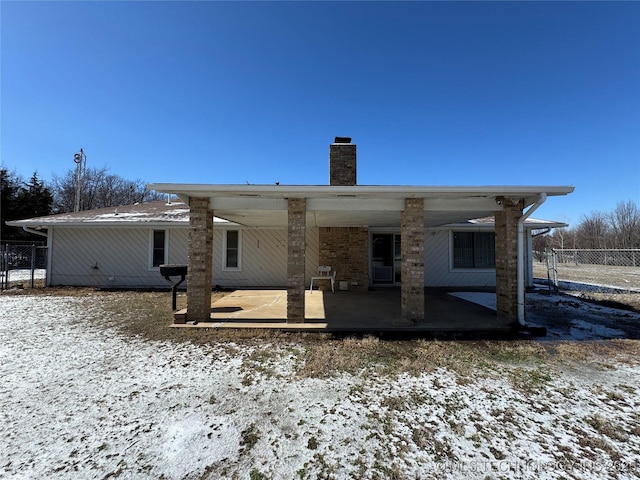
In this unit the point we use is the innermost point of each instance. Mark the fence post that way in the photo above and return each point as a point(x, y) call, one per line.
point(33, 265)
point(3, 267)
point(7, 265)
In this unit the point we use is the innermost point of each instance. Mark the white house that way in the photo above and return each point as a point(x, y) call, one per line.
point(278, 235)
point(123, 247)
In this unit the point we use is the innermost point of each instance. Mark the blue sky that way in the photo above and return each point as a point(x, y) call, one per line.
point(433, 93)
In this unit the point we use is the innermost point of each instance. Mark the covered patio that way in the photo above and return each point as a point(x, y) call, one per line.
point(358, 312)
point(349, 213)
point(344, 214)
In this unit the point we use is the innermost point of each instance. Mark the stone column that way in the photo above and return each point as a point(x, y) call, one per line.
point(296, 259)
point(412, 282)
point(200, 259)
point(506, 225)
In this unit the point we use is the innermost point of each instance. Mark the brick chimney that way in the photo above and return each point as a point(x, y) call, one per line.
point(342, 162)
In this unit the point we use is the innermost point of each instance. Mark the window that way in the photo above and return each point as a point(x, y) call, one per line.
point(232, 250)
point(158, 250)
point(474, 250)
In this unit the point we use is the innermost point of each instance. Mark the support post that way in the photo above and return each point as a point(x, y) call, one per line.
point(412, 264)
point(200, 266)
point(506, 226)
point(297, 225)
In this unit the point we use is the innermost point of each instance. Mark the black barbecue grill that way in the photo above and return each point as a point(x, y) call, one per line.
point(169, 270)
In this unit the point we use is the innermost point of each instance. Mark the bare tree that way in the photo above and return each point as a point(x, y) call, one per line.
point(625, 225)
point(560, 238)
point(593, 231)
point(99, 189)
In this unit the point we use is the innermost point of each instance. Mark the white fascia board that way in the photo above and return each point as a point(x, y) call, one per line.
point(281, 191)
point(529, 224)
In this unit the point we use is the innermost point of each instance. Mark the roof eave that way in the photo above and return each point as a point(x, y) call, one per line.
point(213, 190)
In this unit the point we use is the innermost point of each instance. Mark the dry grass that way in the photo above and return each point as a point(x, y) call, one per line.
point(624, 277)
point(619, 349)
point(148, 315)
point(625, 301)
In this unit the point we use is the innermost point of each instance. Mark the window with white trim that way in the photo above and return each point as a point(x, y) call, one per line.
point(232, 250)
point(158, 251)
point(474, 250)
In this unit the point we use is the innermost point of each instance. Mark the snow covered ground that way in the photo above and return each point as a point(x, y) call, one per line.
point(25, 274)
point(82, 401)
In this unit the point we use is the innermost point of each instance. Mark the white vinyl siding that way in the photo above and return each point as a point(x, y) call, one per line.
point(263, 258)
point(110, 257)
point(122, 257)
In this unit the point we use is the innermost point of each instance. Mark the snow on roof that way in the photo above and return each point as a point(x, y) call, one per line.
point(147, 213)
point(152, 212)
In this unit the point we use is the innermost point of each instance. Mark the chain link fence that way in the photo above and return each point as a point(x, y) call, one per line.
point(592, 271)
point(22, 265)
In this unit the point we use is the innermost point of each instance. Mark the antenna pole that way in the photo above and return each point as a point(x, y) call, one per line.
point(80, 160)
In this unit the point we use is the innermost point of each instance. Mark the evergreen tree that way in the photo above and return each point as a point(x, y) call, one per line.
point(36, 200)
point(20, 200)
point(9, 187)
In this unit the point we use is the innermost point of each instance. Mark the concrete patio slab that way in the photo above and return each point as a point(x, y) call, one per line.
point(372, 311)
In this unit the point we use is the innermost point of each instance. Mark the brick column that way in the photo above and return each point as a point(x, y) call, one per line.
point(412, 286)
point(200, 259)
point(296, 259)
point(506, 225)
point(346, 249)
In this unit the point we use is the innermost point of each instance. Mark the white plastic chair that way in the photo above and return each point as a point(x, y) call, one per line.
point(324, 273)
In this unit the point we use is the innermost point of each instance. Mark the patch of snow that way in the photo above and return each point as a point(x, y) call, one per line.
point(582, 320)
point(24, 274)
point(78, 400)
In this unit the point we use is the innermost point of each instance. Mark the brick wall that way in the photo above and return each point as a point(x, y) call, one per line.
point(507, 257)
point(296, 259)
point(342, 164)
point(346, 249)
point(412, 267)
point(200, 259)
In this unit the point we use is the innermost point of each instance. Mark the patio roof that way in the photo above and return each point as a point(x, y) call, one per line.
point(361, 205)
point(163, 214)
